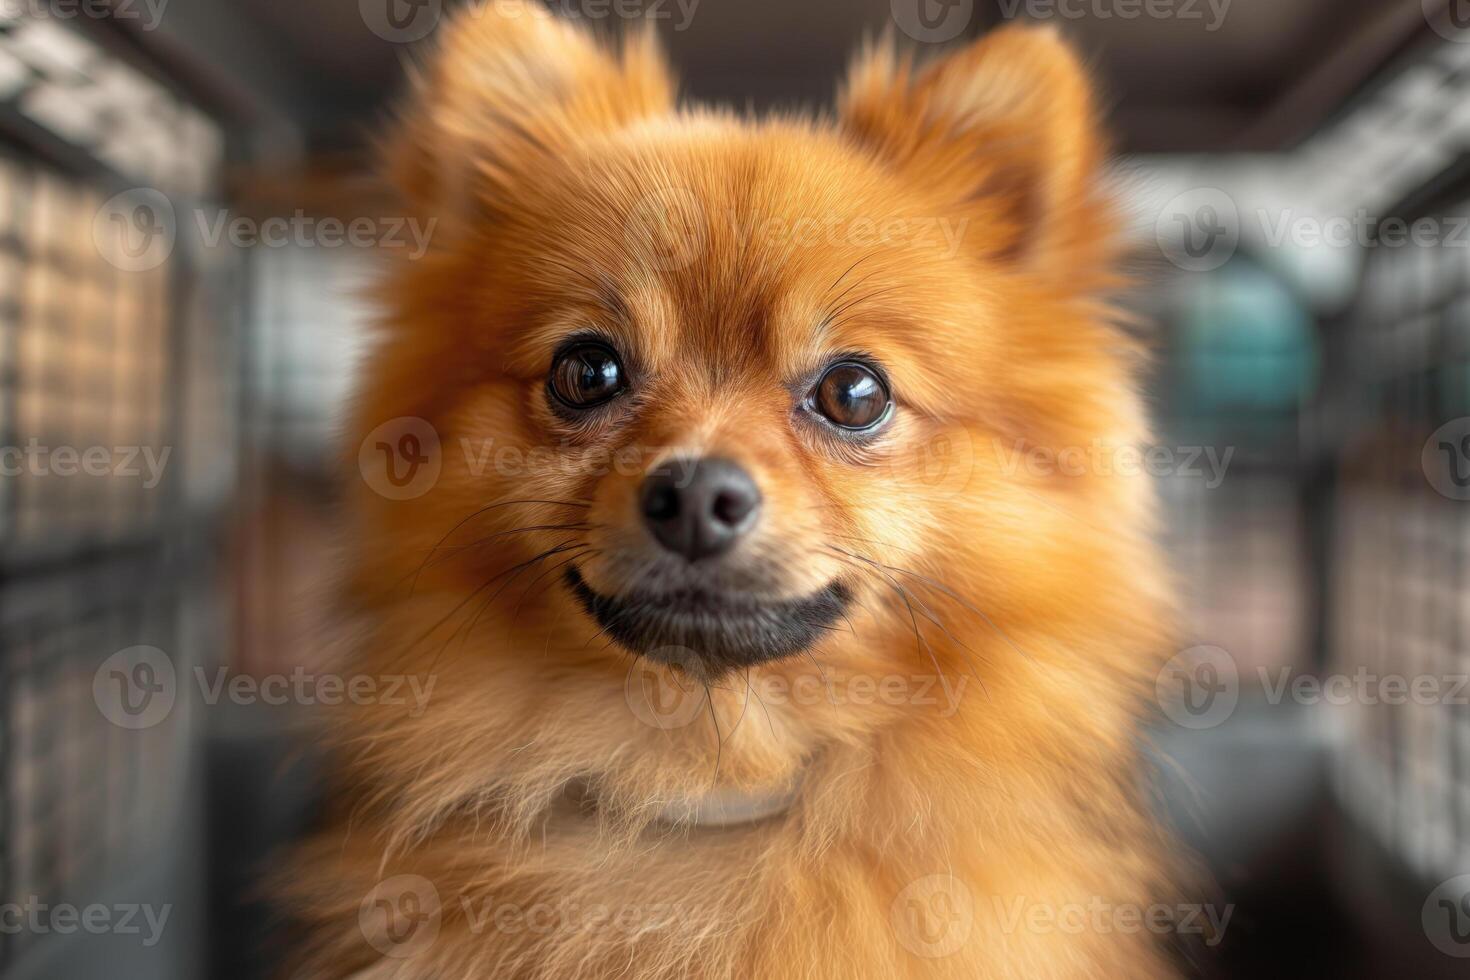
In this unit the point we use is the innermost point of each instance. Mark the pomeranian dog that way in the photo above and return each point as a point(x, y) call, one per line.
point(769, 633)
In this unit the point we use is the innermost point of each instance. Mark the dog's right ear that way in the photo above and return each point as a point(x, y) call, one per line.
point(509, 87)
point(1007, 129)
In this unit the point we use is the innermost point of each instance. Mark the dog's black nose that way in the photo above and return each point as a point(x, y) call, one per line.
point(699, 508)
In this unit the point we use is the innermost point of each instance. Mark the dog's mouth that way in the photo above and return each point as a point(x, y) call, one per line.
point(712, 632)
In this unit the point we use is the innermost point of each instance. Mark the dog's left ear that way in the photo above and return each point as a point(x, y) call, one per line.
point(1005, 129)
point(508, 87)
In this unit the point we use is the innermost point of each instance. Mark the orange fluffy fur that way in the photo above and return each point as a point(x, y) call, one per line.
point(570, 189)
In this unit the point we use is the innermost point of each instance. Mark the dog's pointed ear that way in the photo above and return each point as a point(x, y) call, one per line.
point(1005, 129)
point(509, 86)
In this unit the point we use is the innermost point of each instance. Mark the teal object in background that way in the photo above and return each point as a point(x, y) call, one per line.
point(1245, 345)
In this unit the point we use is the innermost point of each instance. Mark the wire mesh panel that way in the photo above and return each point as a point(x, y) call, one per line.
point(87, 385)
point(116, 461)
point(86, 797)
point(1401, 581)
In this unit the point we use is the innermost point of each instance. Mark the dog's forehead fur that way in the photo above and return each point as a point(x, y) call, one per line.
point(710, 245)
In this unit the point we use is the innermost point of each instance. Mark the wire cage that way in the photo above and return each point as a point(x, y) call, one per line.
point(117, 435)
point(142, 376)
point(1391, 431)
point(1401, 596)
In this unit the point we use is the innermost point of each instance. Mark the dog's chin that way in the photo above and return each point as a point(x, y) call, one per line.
point(712, 633)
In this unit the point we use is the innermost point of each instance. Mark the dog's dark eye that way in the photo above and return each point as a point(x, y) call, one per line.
point(587, 375)
point(852, 396)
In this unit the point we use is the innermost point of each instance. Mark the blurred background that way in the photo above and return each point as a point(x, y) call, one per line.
point(180, 318)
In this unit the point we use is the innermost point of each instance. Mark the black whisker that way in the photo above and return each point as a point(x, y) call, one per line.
point(483, 510)
point(576, 526)
point(744, 706)
point(903, 594)
point(568, 545)
point(468, 598)
point(719, 739)
point(859, 262)
point(834, 320)
point(933, 618)
point(876, 543)
point(585, 552)
point(964, 603)
point(769, 723)
point(826, 681)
